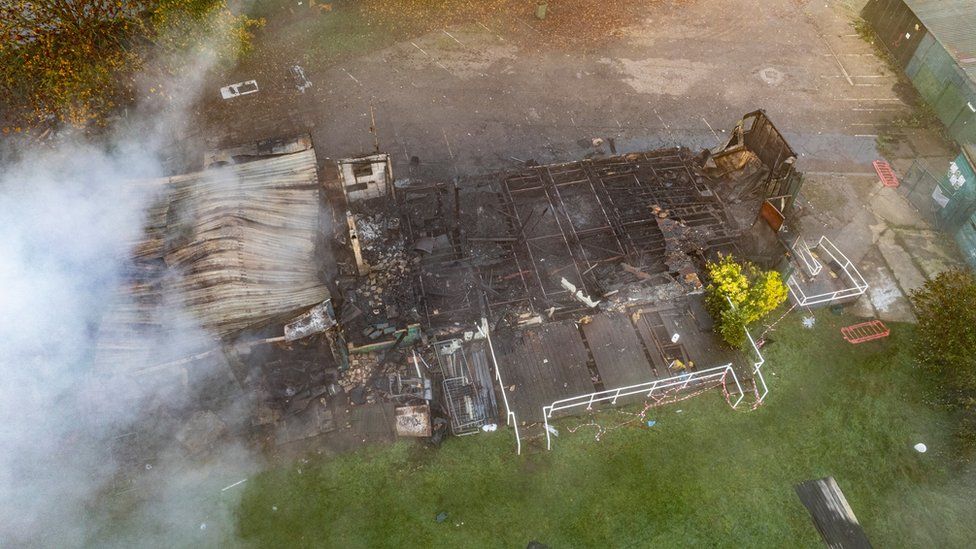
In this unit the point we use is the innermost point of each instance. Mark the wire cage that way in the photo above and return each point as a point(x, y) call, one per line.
point(466, 403)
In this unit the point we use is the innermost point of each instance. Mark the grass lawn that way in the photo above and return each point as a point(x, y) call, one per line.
point(705, 476)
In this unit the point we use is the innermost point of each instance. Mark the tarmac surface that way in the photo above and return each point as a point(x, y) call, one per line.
point(491, 94)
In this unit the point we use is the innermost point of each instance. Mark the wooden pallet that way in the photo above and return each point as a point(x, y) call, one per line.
point(887, 175)
point(865, 331)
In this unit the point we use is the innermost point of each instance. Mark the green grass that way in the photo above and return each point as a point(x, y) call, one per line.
point(706, 476)
point(316, 36)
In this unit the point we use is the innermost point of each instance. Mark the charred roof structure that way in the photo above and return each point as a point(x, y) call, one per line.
point(224, 250)
point(514, 296)
point(584, 278)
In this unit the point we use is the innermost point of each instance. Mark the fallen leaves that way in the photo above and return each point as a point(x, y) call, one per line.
point(572, 24)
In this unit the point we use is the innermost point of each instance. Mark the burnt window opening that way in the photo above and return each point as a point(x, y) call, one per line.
point(362, 170)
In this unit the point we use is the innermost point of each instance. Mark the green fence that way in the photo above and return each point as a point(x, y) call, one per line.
point(945, 87)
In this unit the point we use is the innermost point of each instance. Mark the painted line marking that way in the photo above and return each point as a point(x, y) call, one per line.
point(517, 20)
point(436, 62)
point(837, 59)
point(449, 151)
point(421, 49)
point(452, 36)
point(711, 129)
point(855, 76)
point(225, 488)
point(851, 174)
point(498, 36)
point(353, 77)
point(866, 99)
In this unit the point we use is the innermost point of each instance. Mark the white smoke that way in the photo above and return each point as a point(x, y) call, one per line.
point(68, 218)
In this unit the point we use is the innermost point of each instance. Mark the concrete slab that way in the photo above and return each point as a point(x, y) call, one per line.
point(884, 296)
point(928, 143)
point(857, 237)
point(908, 276)
point(892, 208)
point(932, 250)
point(862, 308)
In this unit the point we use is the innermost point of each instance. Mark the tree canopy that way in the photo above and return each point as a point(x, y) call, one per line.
point(73, 61)
point(945, 343)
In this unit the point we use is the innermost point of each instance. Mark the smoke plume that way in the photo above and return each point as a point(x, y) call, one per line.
point(86, 458)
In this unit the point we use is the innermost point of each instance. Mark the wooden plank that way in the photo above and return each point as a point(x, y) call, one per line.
point(645, 329)
point(545, 364)
point(831, 514)
point(617, 351)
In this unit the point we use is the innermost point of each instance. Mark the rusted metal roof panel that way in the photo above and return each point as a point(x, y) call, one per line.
point(952, 23)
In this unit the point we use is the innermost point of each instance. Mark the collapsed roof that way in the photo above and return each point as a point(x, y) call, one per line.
point(224, 249)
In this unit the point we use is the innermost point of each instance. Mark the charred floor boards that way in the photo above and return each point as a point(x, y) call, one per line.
point(550, 362)
point(505, 241)
point(538, 244)
point(544, 364)
point(616, 350)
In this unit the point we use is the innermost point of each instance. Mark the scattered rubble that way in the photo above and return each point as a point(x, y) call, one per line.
point(421, 264)
point(201, 432)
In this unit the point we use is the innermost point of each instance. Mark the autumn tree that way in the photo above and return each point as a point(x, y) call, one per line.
point(739, 294)
point(945, 343)
point(73, 61)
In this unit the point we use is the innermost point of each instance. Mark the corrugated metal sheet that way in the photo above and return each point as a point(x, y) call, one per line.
point(953, 24)
point(897, 27)
point(935, 42)
point(223, 249)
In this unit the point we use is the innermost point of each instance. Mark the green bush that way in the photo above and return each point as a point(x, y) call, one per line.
point(739, 294)
point(945, 344)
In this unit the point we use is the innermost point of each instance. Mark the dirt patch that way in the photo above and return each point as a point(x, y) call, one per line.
point(674, 77)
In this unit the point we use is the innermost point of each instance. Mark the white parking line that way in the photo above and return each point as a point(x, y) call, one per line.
point(436, 62)
point(895, 99)
point(353, 77)
point(449, 151)
point(452, 36)
point(711, 130)
point(491, 31)
point(421, 49)
point(855, 76)
point(837, 59)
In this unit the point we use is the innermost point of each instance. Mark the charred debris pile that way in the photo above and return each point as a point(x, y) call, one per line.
point(374, 321)
point(426, 270)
